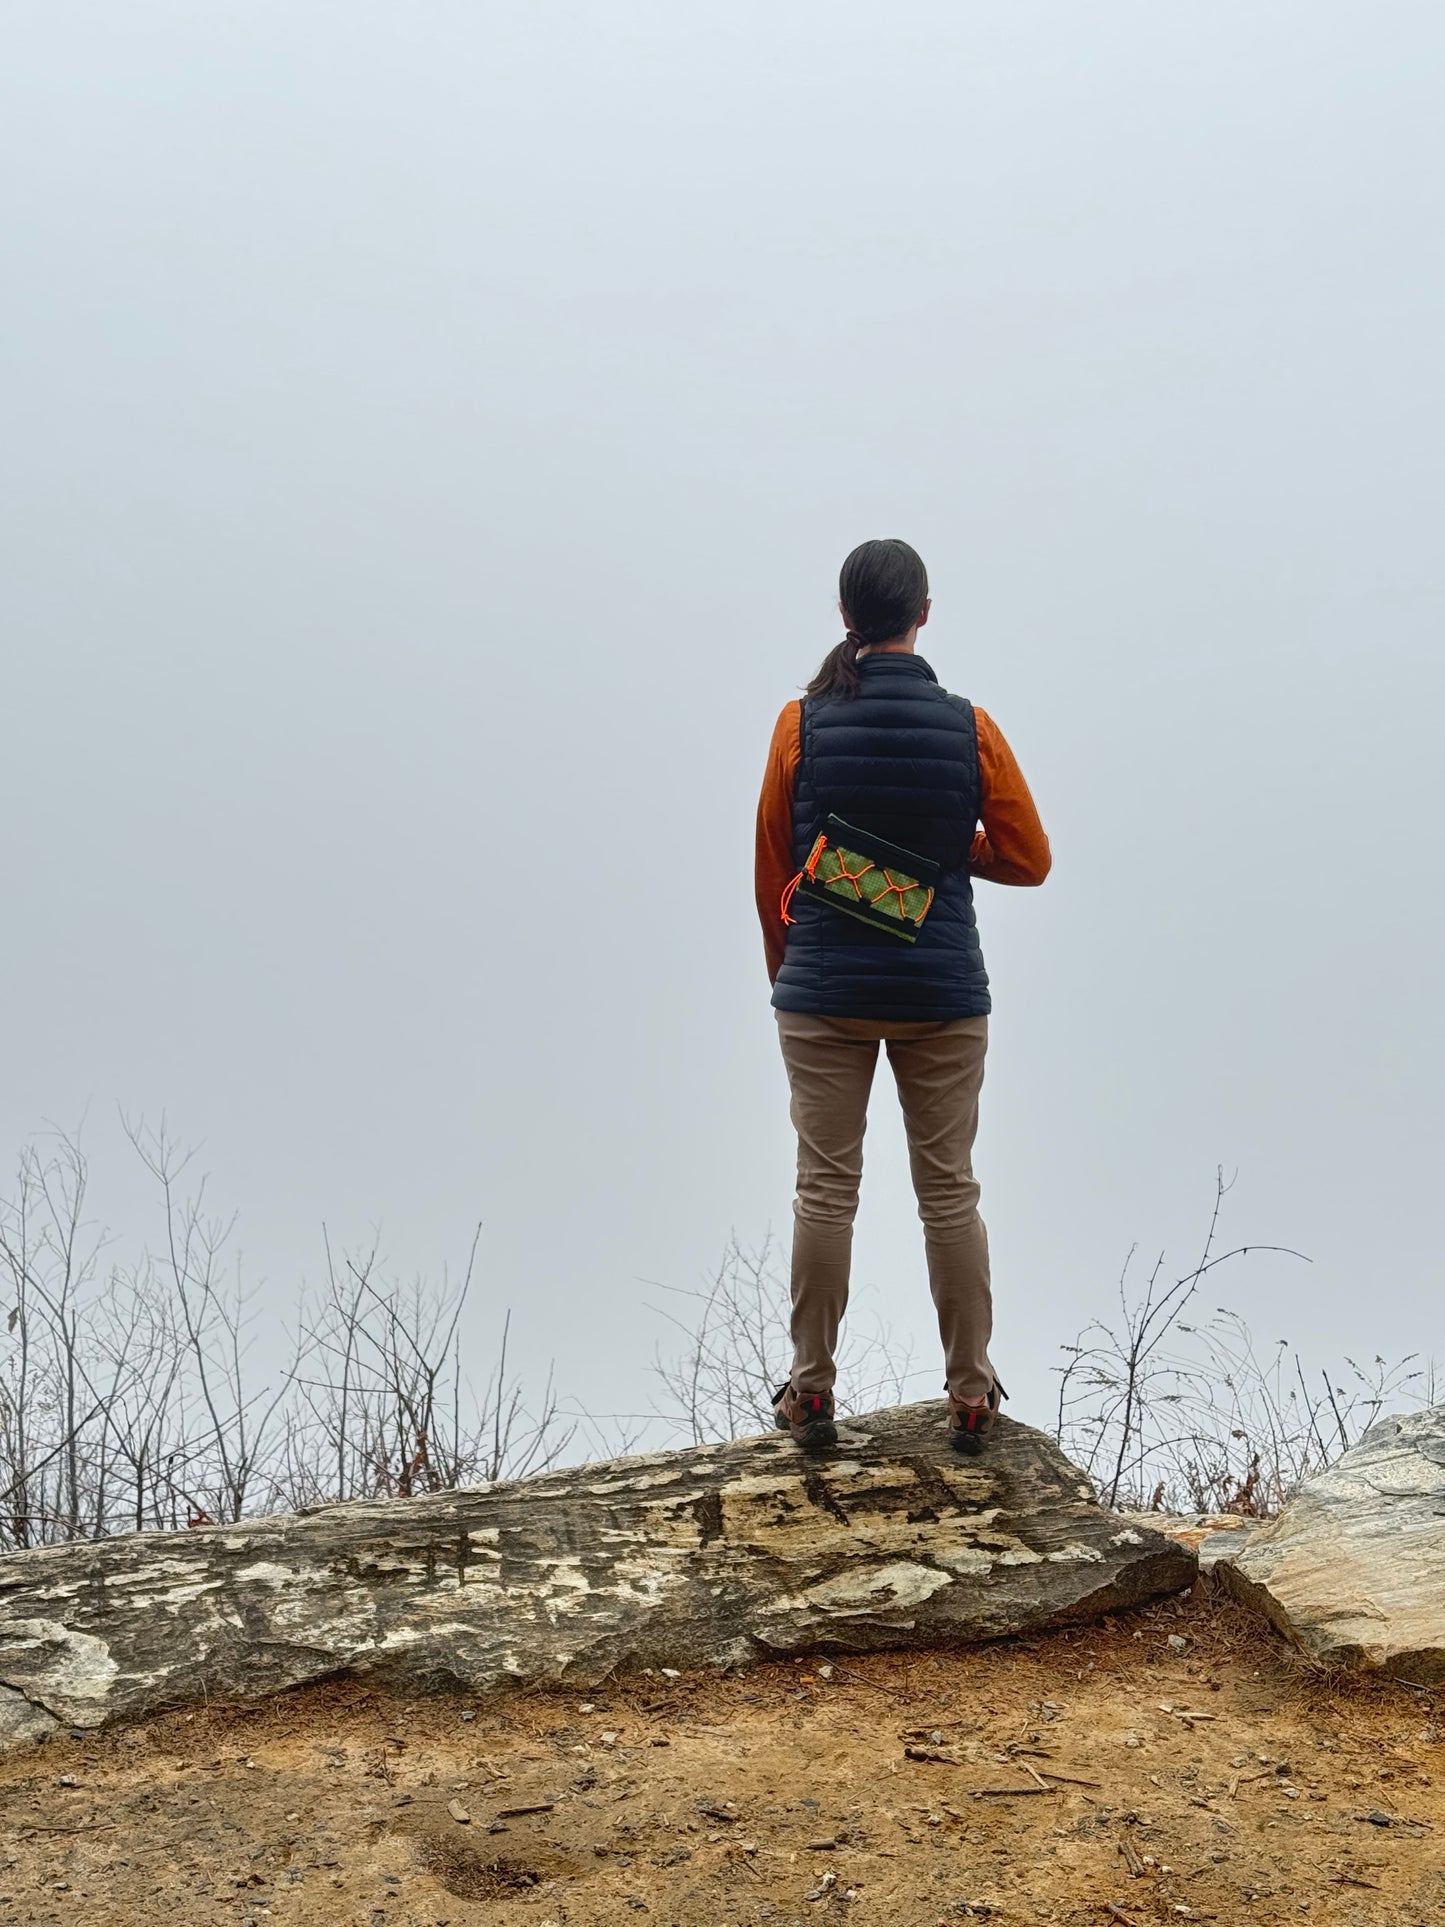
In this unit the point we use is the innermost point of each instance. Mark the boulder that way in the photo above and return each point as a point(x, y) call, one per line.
point(1353, 1569)
point(709, 1557)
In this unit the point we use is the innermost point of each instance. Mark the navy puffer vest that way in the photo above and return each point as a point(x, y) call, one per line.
point(899, 759)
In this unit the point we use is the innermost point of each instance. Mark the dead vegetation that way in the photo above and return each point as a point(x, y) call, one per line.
point(1165, 1408)
point(134, 1395)
point(1170, 1411)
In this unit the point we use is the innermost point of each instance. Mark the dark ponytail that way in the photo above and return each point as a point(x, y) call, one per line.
point(838, 672)
point(882, 587)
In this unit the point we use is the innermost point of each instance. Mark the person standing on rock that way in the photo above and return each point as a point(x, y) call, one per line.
point(884, 798)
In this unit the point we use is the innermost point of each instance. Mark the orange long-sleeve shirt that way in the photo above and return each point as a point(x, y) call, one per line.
point(1011, 847)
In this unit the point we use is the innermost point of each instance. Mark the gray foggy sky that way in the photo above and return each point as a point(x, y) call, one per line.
point(431, 433)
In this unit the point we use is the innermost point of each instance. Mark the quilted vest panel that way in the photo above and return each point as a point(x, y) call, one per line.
point(899, 759)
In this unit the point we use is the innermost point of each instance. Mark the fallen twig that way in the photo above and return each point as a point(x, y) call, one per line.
point(891, 1692)
point(95, 1826)
point(1245, 1779)
point(1131, 1857)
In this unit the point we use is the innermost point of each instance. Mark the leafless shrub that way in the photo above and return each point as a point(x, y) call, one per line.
point(50, 1403)
point(1165, 1413)
point(381, 1408)
point(131, 1396)
point(736, 1346)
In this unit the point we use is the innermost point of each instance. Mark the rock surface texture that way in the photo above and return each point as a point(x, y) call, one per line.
point(707, 1557)
point(1211, 1536)
point(1353, 1569)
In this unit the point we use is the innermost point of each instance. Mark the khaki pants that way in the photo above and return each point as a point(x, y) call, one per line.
point(939, 1070)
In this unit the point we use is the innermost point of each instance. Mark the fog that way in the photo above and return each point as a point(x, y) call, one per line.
point(431, 436)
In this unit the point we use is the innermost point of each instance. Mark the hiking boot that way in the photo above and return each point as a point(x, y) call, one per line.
point(970, 1424)
point(807, 1417)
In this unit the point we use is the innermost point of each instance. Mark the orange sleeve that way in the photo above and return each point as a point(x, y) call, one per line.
point(773, 867)
point(1011, 847)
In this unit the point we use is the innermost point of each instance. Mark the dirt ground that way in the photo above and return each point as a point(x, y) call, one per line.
point(1179, 1764)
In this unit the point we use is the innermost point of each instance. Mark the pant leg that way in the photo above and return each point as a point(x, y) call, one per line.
point(830, 1064)
point(939, 1075)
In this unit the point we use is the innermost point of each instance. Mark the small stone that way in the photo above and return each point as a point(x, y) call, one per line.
point(673, 1857)
point(586, 1707)
point(610, 1739)
point(1378, 1818)
point(1177, 1642)
point(459, 1813)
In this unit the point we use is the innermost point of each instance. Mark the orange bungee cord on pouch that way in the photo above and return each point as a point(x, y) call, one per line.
point(892, 899)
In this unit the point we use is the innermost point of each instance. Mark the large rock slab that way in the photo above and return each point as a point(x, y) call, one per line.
point(1353, 1569)
point(713, 1556)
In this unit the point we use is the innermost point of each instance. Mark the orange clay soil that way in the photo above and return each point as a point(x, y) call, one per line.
point(1070, 1784)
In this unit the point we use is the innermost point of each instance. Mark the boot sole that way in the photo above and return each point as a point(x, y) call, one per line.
point(816, 1435)
point(820, 1434)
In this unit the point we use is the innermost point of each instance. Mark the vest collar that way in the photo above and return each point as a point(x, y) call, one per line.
point(896, 664)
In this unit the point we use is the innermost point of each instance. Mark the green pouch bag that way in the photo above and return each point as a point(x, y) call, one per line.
point(865, 877)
